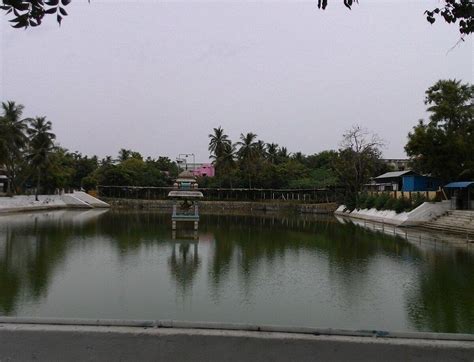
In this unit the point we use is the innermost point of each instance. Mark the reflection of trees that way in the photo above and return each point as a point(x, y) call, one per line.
point(131, 230)
point(27, 262)
point(253, 239)
point(444, 299)
point(184, 266)
point(31, 249)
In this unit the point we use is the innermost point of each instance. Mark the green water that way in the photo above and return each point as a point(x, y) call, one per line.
point(249, 269)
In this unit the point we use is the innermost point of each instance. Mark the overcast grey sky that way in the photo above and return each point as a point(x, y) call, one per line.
point(156, 77)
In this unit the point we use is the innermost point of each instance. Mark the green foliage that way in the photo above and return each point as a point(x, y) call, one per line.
point(381, 200)
point(370, 202)
point(417, 200)
point(389, 204)
point(444, 147)
point(402, 204)
point(89, 183)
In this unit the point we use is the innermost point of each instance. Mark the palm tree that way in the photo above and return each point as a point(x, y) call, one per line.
point(261, 148)
point(283, 154)
point(272, 152)
point(248, 146)
point(298, 156)
point(124, 154)
point(12, 139)
point(41, 145)
point(247, 153)
point(218, 141)
point(225, 163)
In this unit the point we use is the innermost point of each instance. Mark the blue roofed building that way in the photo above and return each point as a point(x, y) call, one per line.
point(461, 194)
point(407, 181)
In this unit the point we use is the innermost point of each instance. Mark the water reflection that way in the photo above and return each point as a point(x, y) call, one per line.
point(184, 260)
point(261, 269)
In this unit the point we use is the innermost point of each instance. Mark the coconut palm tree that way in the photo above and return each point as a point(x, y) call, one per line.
point(247, 146)
point(41, 145)
point(261, 148)
point(248, 153)
point(272, 152)
point(12, 139)
point(283, 154)
point(218, 141)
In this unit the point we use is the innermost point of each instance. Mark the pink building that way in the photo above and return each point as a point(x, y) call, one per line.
point(203, 169)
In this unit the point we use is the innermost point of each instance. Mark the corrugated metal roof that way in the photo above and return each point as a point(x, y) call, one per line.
point(394, 174)
point(459, 185)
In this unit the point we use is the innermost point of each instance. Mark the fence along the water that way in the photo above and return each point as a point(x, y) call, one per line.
point(428, 195)
point(222, 194)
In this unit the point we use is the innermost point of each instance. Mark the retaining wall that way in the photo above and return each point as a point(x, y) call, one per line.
point(228, 206)
point(422, 214)
point(23, 203)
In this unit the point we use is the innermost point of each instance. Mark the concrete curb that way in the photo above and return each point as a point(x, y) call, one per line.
point(237, 327)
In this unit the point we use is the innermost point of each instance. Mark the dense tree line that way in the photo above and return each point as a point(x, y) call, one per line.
point(442, 148)
point(254, 163)
point(34, 163)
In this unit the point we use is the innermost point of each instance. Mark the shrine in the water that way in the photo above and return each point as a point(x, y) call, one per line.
point(186, 194)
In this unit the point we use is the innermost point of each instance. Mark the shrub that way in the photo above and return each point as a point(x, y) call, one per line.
point(370, 202)
point(418, 200)
point(401, 205)
point(350, 202)
point(389, 204)
point(362, 200)
point(89, 183)
point(380, 201)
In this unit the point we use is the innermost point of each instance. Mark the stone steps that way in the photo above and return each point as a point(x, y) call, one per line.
point(455, 221)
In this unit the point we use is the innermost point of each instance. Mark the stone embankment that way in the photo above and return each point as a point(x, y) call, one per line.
point(422, 214)
point(76, 200)
point(80, 340)
point(227, 206)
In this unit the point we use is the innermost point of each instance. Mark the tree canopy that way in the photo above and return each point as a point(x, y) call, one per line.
point(30, 13)
point(444, 147)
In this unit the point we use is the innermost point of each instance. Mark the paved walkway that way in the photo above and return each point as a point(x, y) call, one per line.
point(47, 342)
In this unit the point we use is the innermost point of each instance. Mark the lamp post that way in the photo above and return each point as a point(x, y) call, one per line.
point(186, 155)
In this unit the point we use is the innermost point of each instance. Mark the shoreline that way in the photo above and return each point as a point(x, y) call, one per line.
point(28, 203)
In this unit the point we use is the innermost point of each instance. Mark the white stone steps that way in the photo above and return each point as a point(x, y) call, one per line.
point(456, 221)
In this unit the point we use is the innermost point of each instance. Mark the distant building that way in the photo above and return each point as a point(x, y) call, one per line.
point(404, 181)
point(201, 169)
point(461, 194)
point(397, 164)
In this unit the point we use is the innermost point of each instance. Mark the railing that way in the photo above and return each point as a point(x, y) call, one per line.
point(428, 195)
point(224, 194)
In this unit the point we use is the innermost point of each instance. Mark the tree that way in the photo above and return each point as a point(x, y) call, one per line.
point(283, 155)
point(247, 154)
point(41, 144)
point(357, 160)
point(272, 153)
point(28, 13)
point(217, 143)
point(444, 147)
point(12, 140)
point(261, 148)
point(124, 154)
